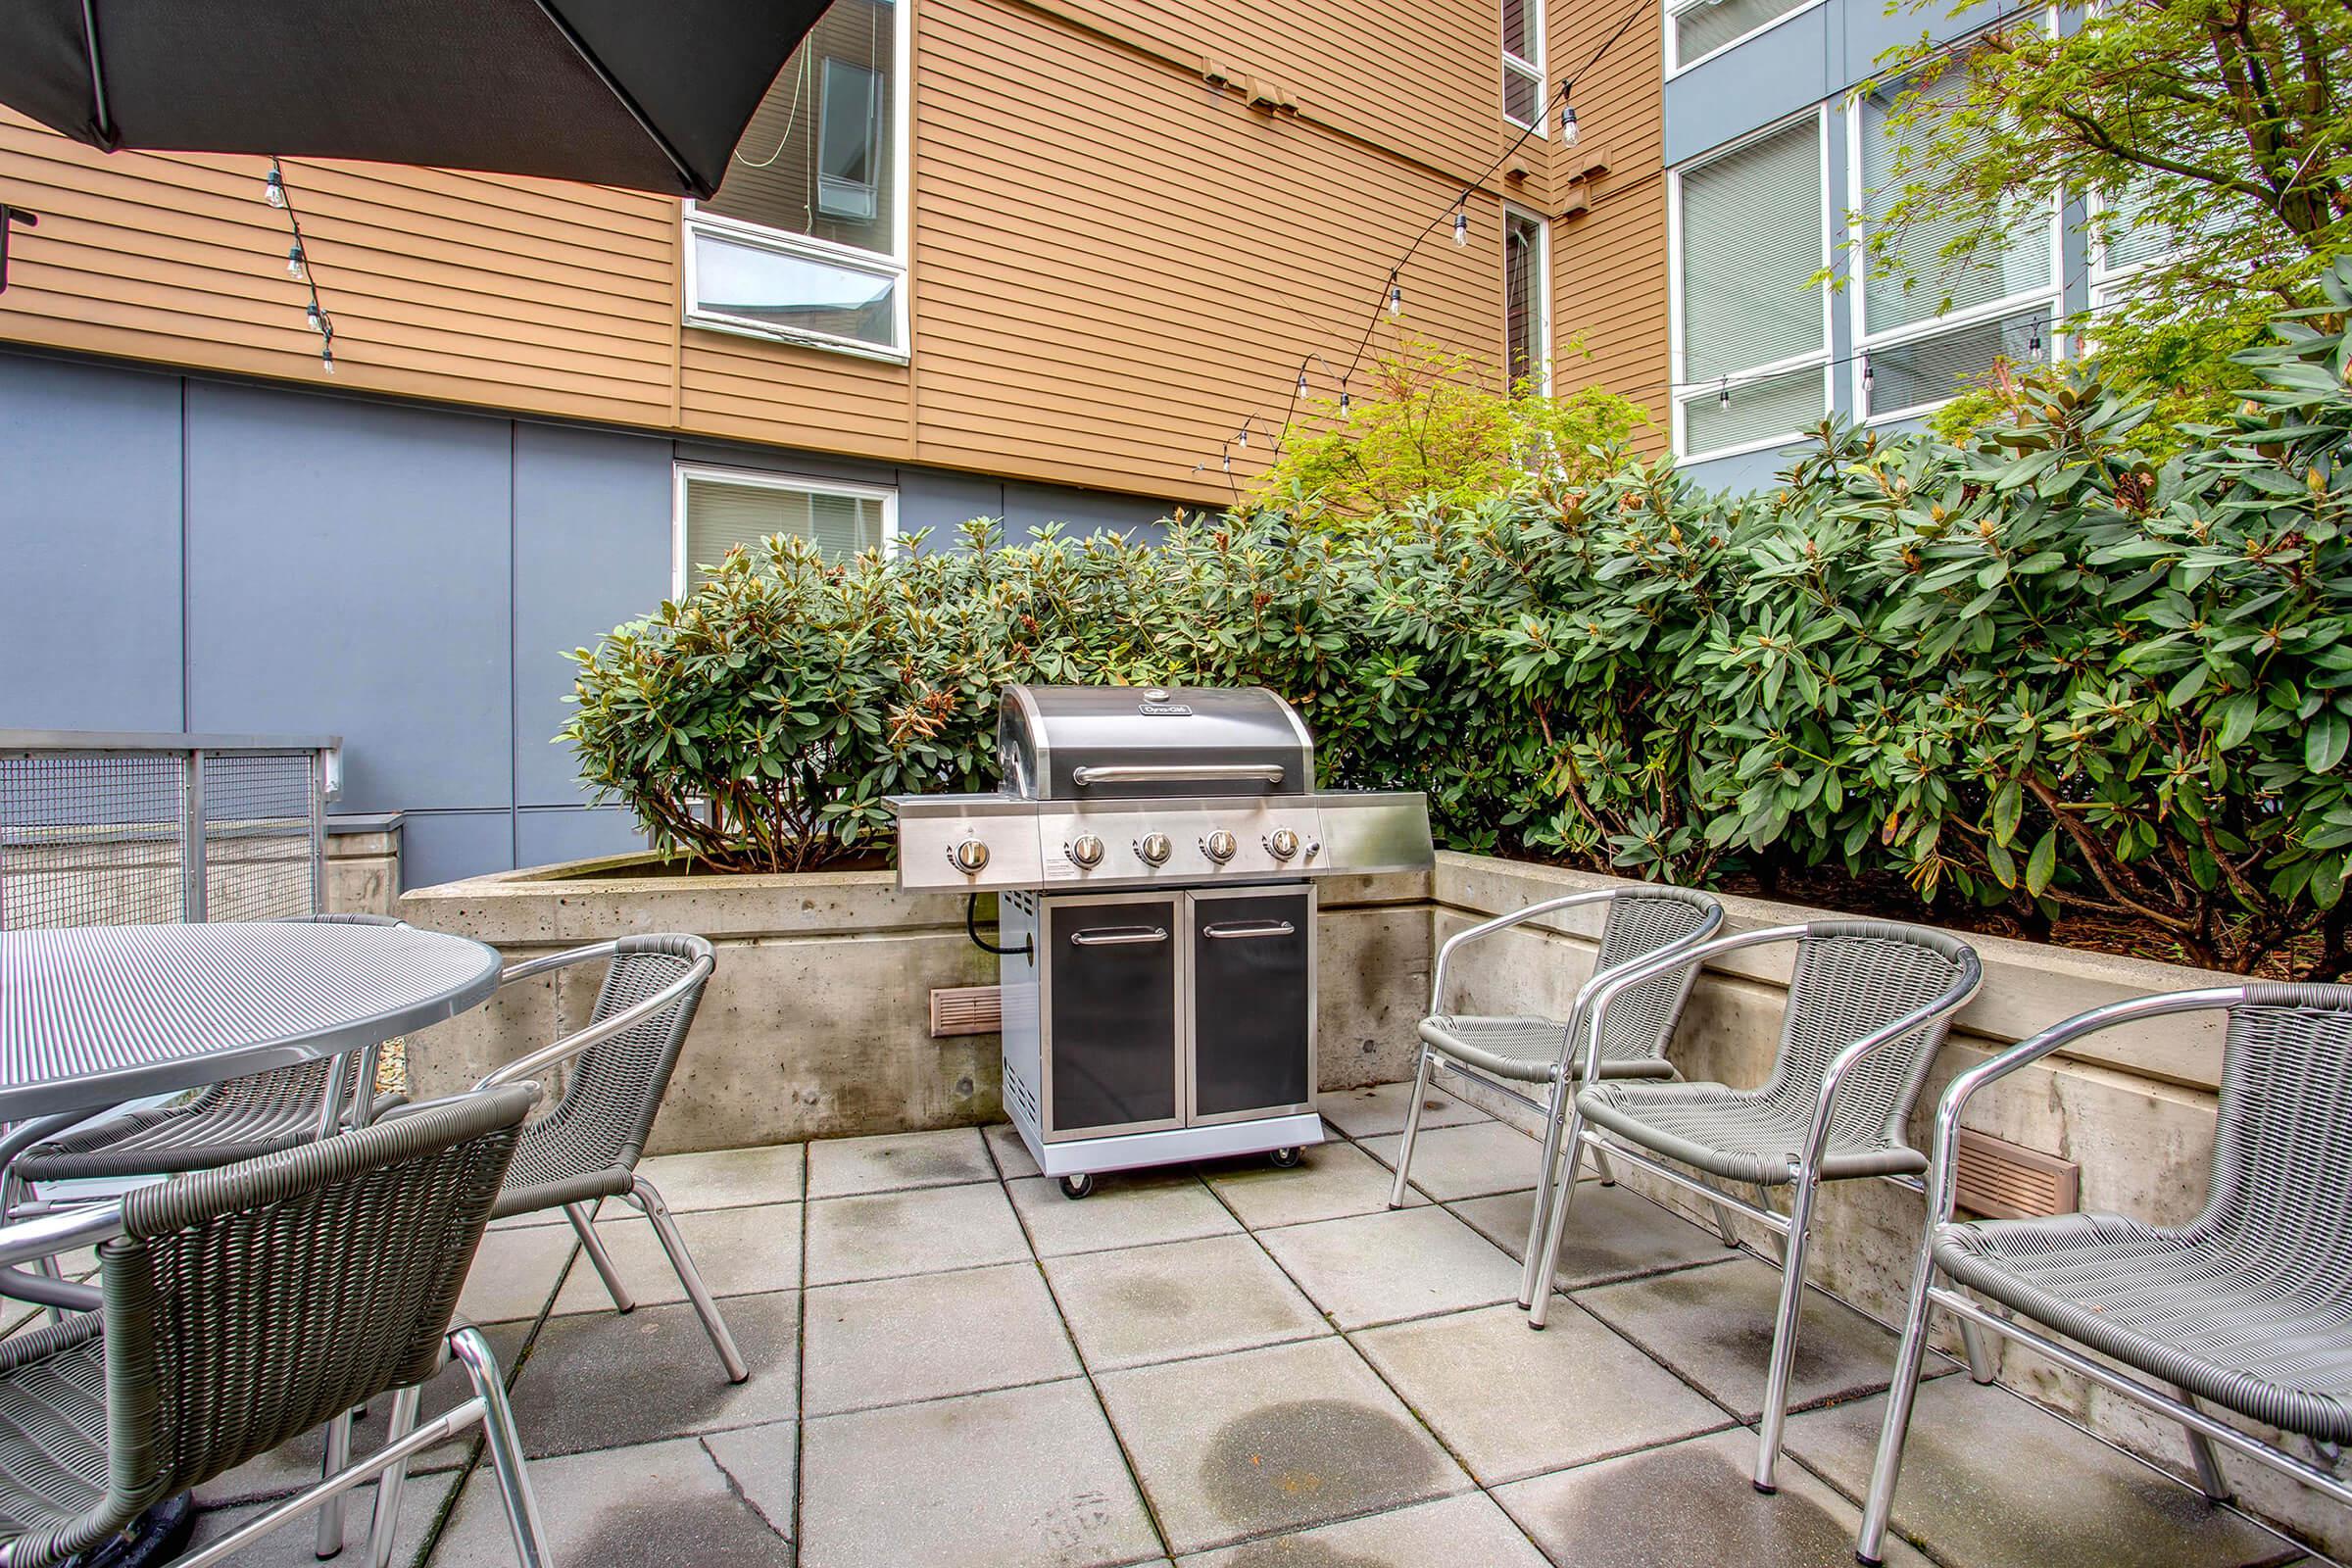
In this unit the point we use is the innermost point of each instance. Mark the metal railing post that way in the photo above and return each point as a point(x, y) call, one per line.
point(192, 840)
point(318, 769)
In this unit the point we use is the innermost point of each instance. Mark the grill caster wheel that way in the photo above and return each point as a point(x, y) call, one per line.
point(1077, 1187)
point(1283, 1158)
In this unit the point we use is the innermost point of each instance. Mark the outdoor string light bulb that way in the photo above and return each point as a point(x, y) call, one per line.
point(1461, 226)
point(1866, 375)
point(326, 358)
point(315, 317)
point(2033, 343)
point(1302, 383)
point(1722, 393)
point(294, 267)
point(1567, 122)
point(1240, 438)
point(1343, 402)
point(275, 189)
point(1395, 298)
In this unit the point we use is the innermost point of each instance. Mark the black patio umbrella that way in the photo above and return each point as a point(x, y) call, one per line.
point(650, 94)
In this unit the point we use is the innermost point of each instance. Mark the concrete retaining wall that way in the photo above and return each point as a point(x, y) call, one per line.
point(816, 1024)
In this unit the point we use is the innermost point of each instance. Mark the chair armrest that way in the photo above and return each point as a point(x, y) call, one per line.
point(1503, 922)
point(1943, 1173)
point(596, 1034)
point(1601, 989)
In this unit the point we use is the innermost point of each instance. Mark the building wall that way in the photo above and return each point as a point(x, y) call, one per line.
point(190, 553)
point(1114, 261)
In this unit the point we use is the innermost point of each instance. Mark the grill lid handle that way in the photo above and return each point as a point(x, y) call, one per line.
point(1178, 773)
point(1117, 936)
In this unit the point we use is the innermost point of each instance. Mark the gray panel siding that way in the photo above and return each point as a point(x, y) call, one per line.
point(89, 547)
point(591, 551)
point(348, 574)
point(404, 576)
point(1770, 76)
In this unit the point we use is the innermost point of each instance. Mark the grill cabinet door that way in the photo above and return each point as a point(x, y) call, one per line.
point(1111, 1014)
point(1252, 1001)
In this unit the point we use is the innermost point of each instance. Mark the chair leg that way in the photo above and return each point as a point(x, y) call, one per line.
point(583, 1221)
point(1724, 1226)
point(1532, 1277)
point(1784, 1329)
point(648, 1198)
point(1572, 1135)
point(2206, 1457)
point(385, 1522)
point(505, 1448)
point(1413, 1127)
point(1871, 1545)
point(1983, 1361)
point(1608, 1172)
point(330, 1512)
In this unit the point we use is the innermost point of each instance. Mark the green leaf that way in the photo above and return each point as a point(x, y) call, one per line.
point(2325, 740)
point(2041, 862)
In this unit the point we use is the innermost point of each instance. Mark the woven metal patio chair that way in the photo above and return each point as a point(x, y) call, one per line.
point(242, 1119)
point(246, 1305)
point(586, 1148)
point(2248, 1307)
point(1501, 1051)
point(1868, 1006)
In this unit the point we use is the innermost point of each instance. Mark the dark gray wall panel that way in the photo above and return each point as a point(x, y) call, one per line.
point(591, 547)
point(1030, 507)
point(943, 502)
point(348, 572)
point(89, 530)
point(1743, 475)
point(574, 833)
point(437, 846)
point(1771, 75)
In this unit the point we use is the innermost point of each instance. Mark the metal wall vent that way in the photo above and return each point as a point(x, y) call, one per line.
point(966, 1011)
point(2001, 1180)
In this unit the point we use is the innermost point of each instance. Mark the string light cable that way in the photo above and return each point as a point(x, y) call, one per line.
point(300, 266)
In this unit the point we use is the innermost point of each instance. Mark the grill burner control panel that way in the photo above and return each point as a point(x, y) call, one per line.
point(988, 843)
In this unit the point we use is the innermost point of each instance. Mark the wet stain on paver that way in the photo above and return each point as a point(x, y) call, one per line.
point(1151, 1296)
point(702, 1530)
point(923, 1165)
point(1306, 1460)
point(1691, 1504)
point(1300, 1551)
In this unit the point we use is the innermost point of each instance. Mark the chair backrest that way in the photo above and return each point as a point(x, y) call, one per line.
point(614, 1088)
point(2281, 1196)
point(1639, 1022)
point(1853, 978)
point(246, 1305)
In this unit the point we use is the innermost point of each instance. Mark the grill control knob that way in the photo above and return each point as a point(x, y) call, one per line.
point(970, 857)
point(1086, 852)
point(1281, 844)
point(1219, 846)
point(1156, 849)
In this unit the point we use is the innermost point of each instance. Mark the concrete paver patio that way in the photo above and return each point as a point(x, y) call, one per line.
point(954, 1364)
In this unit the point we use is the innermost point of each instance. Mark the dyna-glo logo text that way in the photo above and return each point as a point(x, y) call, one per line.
point(1164, 709)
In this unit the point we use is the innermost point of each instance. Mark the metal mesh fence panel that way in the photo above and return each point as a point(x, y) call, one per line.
point(127, 835)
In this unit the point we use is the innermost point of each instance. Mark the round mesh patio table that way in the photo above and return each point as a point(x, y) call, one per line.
point(96, 1016)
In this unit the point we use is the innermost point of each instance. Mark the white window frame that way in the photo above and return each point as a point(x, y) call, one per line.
point(1533, 68)
point(1675, 67)
point(1543, 378)
point(2045, 294)
point(681, 568)
point(757, 236)
point(1678, 390)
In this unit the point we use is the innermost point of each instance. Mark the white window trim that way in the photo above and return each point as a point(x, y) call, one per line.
point(693, 220)
point(2045, 294)
point(1677, 392)
point(1674, 8)
point(1542, 299)
point(681, 474)
point(1534, 66)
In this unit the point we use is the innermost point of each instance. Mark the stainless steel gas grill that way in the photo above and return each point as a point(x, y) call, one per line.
point(1157, 925)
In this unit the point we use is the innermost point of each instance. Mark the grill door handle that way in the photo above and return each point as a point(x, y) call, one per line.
point(1254, 928)
point(1116, 936)
point(1179, 774)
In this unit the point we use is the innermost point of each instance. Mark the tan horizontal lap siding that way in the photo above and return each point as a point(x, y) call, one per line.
point(1117, 266)
point(1608, 266)
point(530, 295)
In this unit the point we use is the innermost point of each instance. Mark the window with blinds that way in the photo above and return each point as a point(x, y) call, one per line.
point(1696, 29)
point(1934, 325)
point(804, 238)
point(1752, 241)
point(1524, 312)
point(720, 509)
point(1523, 62)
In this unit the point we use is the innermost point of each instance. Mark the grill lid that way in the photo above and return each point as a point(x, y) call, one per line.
point(1079, 743)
